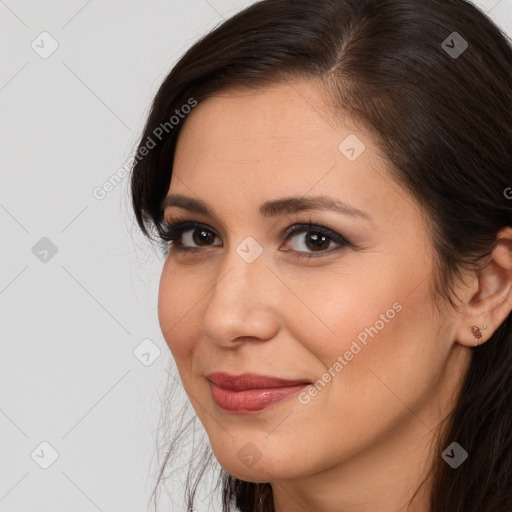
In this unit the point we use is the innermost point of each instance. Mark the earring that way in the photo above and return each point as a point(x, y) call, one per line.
point(477, 333)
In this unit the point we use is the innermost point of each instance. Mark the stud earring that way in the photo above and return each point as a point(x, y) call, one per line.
point(477, 333)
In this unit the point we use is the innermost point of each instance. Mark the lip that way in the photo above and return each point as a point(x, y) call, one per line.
point(247, 393)
point(251, 381)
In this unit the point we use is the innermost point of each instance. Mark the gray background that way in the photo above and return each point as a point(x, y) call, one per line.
point(71, 319)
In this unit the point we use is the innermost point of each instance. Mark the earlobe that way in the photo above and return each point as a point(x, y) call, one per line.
point(477, 333)
point(473, 335)
point(488, 308)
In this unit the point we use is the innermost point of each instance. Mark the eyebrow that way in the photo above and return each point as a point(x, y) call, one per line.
point(272, 208)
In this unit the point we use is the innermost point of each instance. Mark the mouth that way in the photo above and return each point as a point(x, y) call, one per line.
point(249, 393)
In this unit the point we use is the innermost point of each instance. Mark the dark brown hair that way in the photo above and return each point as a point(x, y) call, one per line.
point(442, 119)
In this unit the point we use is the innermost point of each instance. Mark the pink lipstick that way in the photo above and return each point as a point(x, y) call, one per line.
point(242, 394)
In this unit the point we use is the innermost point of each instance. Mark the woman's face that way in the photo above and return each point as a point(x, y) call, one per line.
point(356, 317)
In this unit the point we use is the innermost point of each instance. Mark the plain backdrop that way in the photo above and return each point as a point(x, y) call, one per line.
point(83, 361)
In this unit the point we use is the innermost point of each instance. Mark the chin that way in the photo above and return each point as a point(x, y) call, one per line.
point(262, 471)
point(256, 476)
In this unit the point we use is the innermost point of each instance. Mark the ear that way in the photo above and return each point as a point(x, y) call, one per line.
point(490, 305)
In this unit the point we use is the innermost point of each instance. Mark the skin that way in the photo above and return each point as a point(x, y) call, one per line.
point(365, 440)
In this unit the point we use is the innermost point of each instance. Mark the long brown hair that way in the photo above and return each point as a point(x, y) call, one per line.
point(432, 80)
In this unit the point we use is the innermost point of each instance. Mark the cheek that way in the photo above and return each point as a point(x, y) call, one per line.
point(176, 302)
point(375, 342)
point(343, 311)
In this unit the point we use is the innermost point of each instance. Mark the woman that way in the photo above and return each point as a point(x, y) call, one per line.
point(331, 183)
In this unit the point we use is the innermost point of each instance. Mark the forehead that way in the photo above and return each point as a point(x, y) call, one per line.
point(283, 132)
point(279, 119)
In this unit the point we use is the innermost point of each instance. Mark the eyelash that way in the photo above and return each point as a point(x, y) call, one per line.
point(172, 232)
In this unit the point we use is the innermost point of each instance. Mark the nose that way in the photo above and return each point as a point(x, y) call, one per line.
point(241, 306)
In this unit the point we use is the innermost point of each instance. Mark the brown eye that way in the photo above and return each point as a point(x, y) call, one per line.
point(185, 236)
point(201, 236)
point(314, 239)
